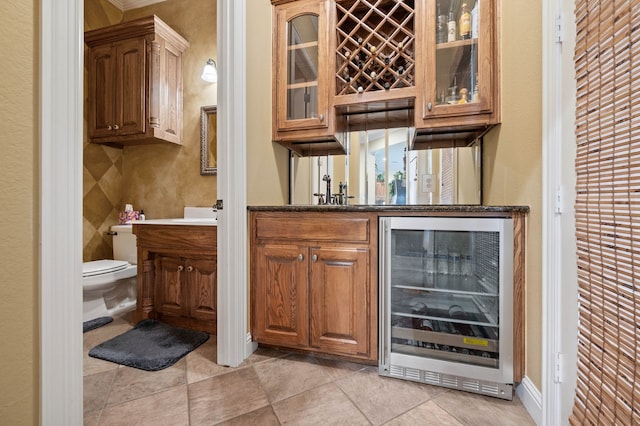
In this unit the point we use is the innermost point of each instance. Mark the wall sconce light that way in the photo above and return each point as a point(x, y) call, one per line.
point(209, 73)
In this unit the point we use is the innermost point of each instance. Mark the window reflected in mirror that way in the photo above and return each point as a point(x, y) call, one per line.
point(379, 169)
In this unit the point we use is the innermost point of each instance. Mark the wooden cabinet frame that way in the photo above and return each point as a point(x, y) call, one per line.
point(135, 83)
point(313, 285)
point(306, 231)
point(177, 274)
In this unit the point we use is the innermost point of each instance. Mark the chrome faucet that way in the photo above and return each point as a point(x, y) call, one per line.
point(328, 198)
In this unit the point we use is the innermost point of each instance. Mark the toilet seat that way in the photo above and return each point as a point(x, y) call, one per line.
point(105, 266)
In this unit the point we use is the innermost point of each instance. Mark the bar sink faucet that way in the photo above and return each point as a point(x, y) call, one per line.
point(328, 197)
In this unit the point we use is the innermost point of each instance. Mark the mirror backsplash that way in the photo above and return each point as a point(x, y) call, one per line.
point(379, 169)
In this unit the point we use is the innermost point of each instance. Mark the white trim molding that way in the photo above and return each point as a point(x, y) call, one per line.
point(232, 184)
point(531, 398)
point(61, 103)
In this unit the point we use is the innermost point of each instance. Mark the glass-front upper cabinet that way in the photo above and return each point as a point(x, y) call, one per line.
point(461, 61)
point(302, 94)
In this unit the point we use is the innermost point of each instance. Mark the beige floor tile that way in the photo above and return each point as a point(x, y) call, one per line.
point(472, 409)
point(95, 337)
point(132, 383)
point(201, 363)
point(96, 390)
point(382, 398)
point(168, 408)
point(265, 354)
point(288, 376)
point(261, 417)
point(226, 396)
point(324, 405)
point(336, 369)
point(91, 419)
point(426, 414)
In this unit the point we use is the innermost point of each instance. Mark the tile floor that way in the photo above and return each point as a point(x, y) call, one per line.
point(272, 388)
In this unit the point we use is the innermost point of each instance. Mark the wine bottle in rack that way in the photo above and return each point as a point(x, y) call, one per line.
point(387, 80)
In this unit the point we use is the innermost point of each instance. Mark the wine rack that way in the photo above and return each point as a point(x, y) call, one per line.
point(375, 45)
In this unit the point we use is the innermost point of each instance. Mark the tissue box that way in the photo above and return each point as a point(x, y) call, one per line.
point(127, 217)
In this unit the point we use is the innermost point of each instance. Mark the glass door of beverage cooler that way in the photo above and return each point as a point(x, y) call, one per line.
point(446, 302)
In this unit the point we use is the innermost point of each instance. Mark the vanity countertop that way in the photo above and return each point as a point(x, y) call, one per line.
point(422, 208)
point(197, 221)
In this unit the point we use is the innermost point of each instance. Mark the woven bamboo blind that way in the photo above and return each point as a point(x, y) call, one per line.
point(607, 65)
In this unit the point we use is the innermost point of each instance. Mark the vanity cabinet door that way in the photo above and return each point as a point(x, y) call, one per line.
point(170, 295)
point(202, 288)
point(339, 289)
point(280, 295)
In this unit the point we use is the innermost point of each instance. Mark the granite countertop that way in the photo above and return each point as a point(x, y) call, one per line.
point(393, 208)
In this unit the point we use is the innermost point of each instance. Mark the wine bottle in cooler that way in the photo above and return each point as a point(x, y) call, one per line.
point(457, 313)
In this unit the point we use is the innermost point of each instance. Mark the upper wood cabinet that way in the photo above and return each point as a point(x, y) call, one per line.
point(390, 63)
point(459, 90)
point(135, 83)
point(303, 108)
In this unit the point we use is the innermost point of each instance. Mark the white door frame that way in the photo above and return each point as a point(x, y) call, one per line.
point(60, 254)
point(559, 276)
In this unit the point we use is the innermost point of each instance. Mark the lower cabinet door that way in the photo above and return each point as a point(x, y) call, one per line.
point(202, 279)
point(339, 288)
point(280, 295)
point(170, 298)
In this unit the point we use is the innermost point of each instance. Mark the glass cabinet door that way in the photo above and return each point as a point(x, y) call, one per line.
point(302, 95)
point(461, 57)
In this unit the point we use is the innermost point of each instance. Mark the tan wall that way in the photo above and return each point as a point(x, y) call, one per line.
point(513, 155)
point(102, 173)
point(19, 226)
point(163, 179)
point(267, 163)
point(160, 179)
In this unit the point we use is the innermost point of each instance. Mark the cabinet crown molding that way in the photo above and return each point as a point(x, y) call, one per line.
point(138, 27)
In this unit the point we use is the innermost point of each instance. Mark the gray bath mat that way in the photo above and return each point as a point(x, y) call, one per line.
point(150, 345)
point(95, 323)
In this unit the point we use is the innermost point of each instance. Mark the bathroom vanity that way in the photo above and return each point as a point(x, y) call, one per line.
point(315, 275)
point(177, 273)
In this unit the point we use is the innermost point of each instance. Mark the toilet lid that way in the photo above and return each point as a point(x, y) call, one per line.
point(98, 267)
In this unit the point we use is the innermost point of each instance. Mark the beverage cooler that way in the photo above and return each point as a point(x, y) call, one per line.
point(446, 302)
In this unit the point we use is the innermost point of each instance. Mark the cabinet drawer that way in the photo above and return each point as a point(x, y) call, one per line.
point(312, 227)
point(176, 237)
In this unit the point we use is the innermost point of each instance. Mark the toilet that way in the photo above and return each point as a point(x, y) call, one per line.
point(109, 286)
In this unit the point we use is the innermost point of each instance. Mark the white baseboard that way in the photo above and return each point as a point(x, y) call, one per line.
point(531, 398)
point(251, 346)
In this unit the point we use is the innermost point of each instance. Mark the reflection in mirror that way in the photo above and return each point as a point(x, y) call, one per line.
point(208, 141)
point(380, 170)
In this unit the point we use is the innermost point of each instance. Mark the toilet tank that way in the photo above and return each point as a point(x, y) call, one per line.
point(124, 244)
